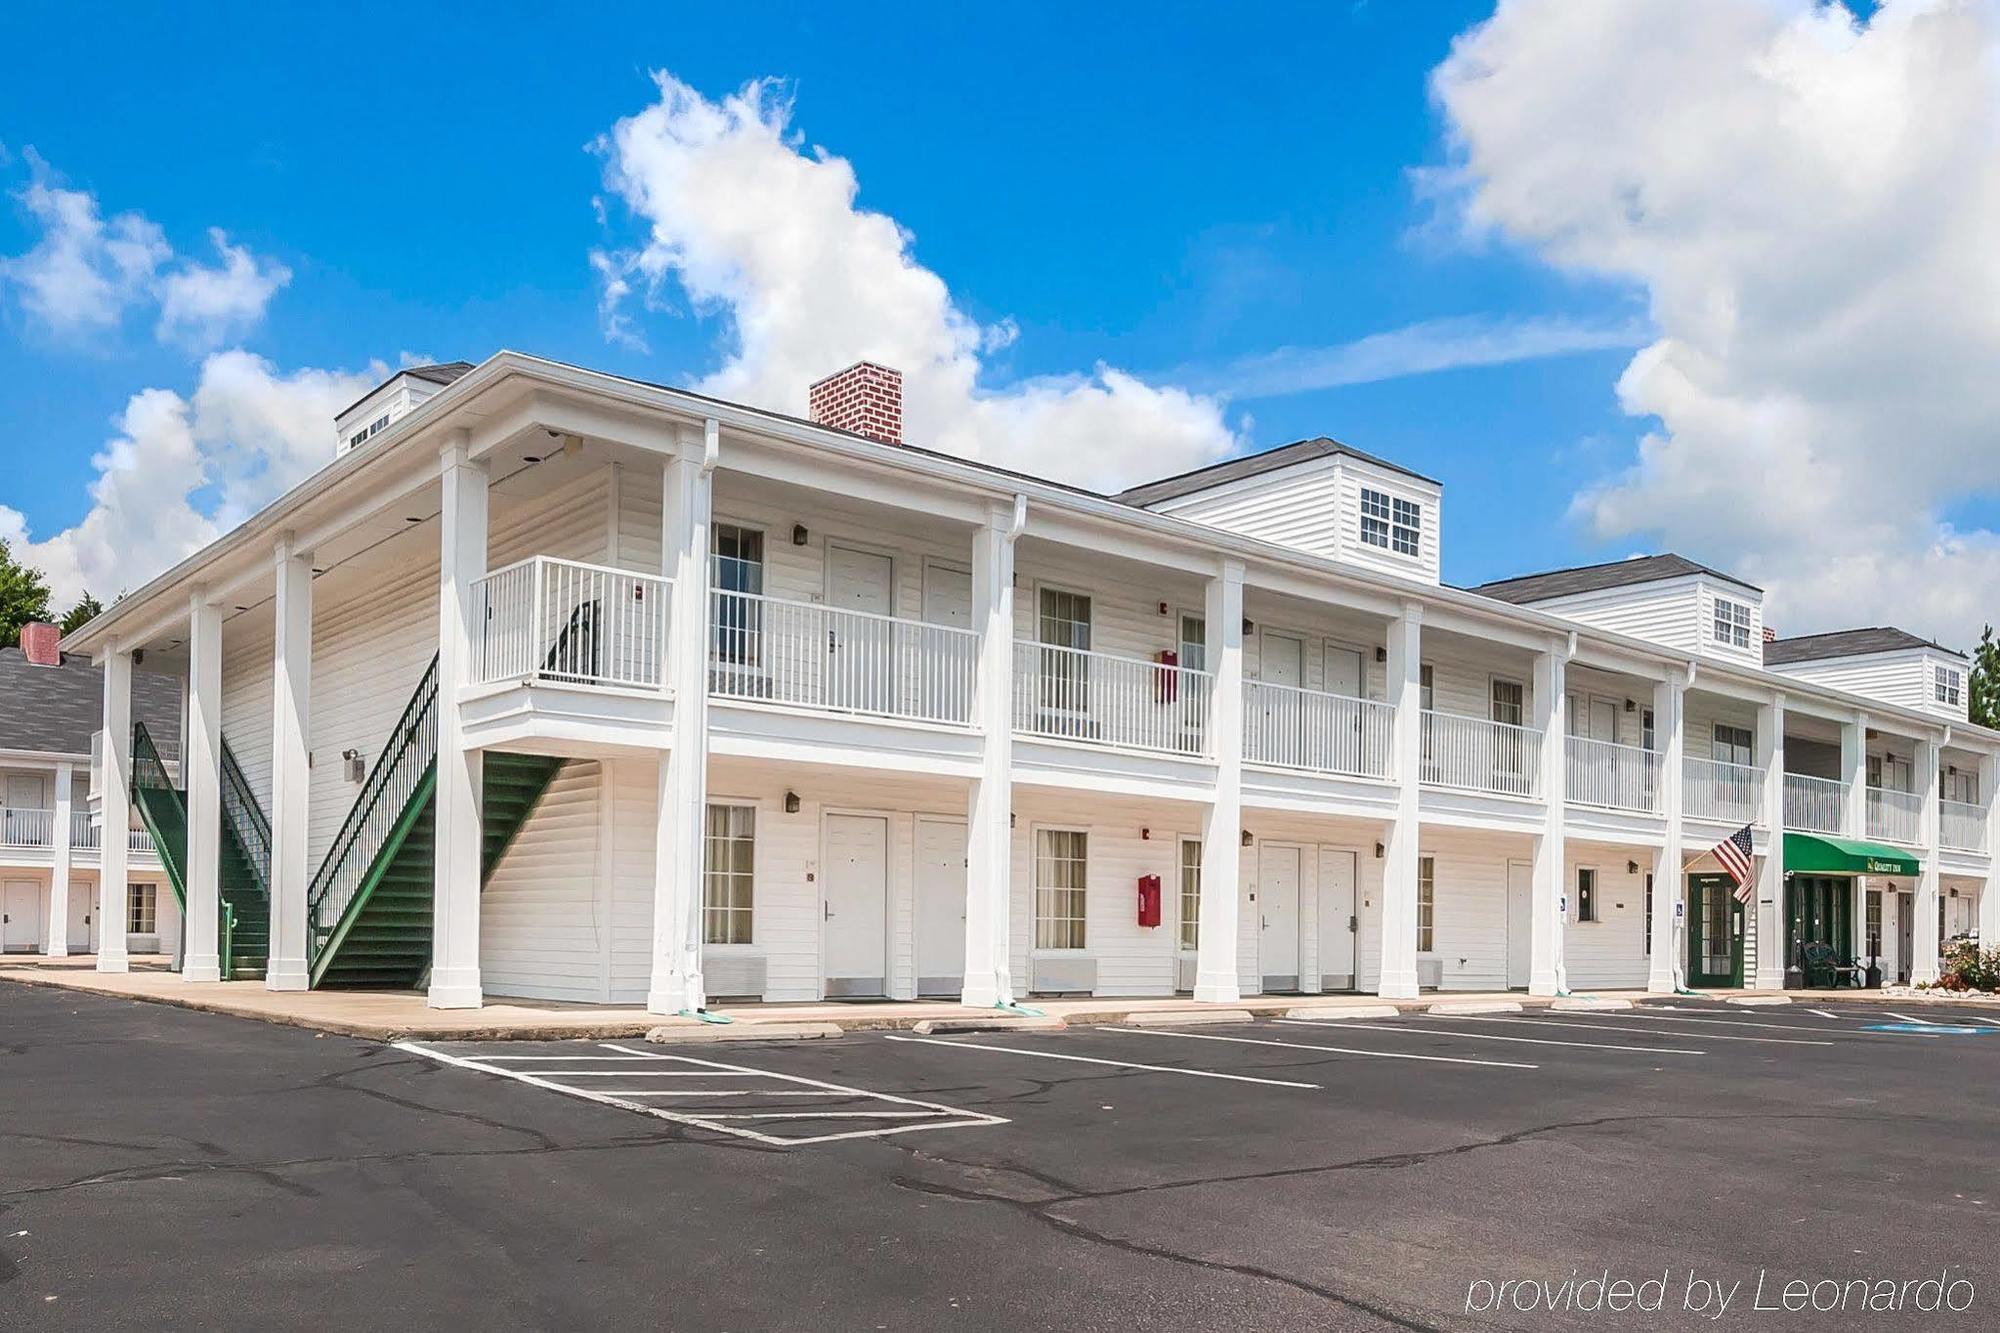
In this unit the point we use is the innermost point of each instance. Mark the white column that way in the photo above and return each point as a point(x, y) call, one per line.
point(460, 771)
point(1663, 973)
point(1547, 974)
point(1222, 823)
point(291, 767)
point(117, 807)
point(1925, 936)
point(989, 859)
point(1989, 892)
point(1770, 901)
point(1854, 773)
point(202, 771)
point(58, 913)
point(1399, 868)
point(679, 858)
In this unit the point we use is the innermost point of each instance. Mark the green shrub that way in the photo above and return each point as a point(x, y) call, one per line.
point(1965, 967)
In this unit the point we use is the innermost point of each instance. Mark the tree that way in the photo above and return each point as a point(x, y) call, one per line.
point(24, 596)
point(1983, 693)
point(87, 608)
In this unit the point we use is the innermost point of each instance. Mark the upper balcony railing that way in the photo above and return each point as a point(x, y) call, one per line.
point(1813, 805)
point(772, 650)
point(1070, 694)
point(83, 834)
point(1478, 755)
point(1725, 792)
point(27, 828)
point(1317, 731)
point(1962, 826)
point(1895, 816)
point(1618, 777)
point(562, 621)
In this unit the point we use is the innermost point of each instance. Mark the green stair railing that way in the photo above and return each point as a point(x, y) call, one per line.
point(381, 817)
point(246, 820)
point(162, 809)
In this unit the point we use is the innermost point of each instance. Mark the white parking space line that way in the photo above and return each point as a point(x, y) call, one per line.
point(1975, 1018)
point(1097, 1060)
point(1485, 1036)
point(1337, 1050)
point(1822, 1013)
point(1624, 1027)
point(1588, 1017)
point(908, 1114)
point(1904, 1018)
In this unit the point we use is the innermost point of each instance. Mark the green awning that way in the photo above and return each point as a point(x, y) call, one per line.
point(1815, 853)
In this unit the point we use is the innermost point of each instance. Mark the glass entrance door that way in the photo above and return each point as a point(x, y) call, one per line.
point(1819, 909)
point(1715, 932)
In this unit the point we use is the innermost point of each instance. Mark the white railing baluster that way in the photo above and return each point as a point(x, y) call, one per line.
point(21, 827)
point(1071, 694)
point(1813, 805)
point(1962, 826)
point(1322, 732)
point(1895, 816)
point(1478, 755)
point(1725, 792)
point(1620, 777)
point(566, 621)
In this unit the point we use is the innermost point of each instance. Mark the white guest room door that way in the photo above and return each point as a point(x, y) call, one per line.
point(1278, 902)
point(940, 906)
point(855, 914)
point(21, 905)
point(1336, 914)
point(861, 665)
point(82, 907)
point(947, 601)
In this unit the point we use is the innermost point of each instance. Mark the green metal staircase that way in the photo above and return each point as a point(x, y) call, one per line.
point(244, 871)
point(369, 907)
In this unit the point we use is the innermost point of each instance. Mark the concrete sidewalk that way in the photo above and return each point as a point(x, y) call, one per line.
point(387, 1015)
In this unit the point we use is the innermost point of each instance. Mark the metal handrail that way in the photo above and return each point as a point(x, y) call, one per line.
point(246, 819)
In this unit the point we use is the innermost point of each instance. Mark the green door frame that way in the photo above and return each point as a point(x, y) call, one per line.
point(1700, 889)
point(1820, 908)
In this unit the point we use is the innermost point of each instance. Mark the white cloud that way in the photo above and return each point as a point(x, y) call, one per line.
point(202, 307)
point(1809, 202)
point(1422, 348)
point(752, 225)
point(180, 471)
point(87, 271)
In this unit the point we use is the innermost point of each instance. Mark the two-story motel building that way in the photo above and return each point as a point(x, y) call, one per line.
point(557, 684)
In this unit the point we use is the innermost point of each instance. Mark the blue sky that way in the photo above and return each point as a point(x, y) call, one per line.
point(1175, 191)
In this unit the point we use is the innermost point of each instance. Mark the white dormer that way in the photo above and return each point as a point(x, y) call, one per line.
point(1664, 599)
point(391, 400)
point(1880, 663)
point(1317, 496)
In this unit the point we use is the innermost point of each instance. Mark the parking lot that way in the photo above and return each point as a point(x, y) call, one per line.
point(170, 1166)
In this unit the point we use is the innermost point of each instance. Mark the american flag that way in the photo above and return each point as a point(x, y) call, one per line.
point(1734, 853)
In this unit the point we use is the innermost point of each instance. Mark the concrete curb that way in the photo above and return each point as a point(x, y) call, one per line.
point(704, 1034)
point(1758, 1001)
point(930, 1027)
point(1450, 1007)
point(1184, 1018)
point(1327, 1013)
point(1588, 1004)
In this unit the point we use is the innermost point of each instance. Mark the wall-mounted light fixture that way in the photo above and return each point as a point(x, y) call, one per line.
point(1145, 835)
point(791, 802)
point(1249, 625)
point(1247, 840)
point(1378, 851)
point(1631, 707)
point(1163, 608)
point(1381, 653)
point(799, 534)
point(357, 769)
point(1631, 867)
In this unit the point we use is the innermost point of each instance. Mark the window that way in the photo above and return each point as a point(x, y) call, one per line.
point(728, 877)
point(373, 428)
point(1649, 734)
point(1190, 894)
point(1960, 784)
point(141, 910)
point(1426, 903)
point(1586, 894)
point(1061, 863)
point(1874, 928)
point(1732, 745)
point(1946, 684)
point(1194, 642)
point(736, 560)
point(1392, 524)
point(1064, 621)
point(1426, 688)
point(1649, 914)
point(1887, 772)
point(1508, 702)
point(1732, 623)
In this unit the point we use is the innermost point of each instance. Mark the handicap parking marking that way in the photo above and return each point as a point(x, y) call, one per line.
point(1100, 1060)
point(1627, 1027)
point(903, 1115)
point(1336, 1050)
point(1917, 1027)
point(1430, 1031)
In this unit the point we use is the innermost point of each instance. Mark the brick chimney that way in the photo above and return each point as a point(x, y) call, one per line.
point(1770, 635)
point(864, 398)
point(41, 643)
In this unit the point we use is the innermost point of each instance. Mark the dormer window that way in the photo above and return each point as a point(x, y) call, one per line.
point(1946, 683)
point(1391, 523)
point(1732, 623)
